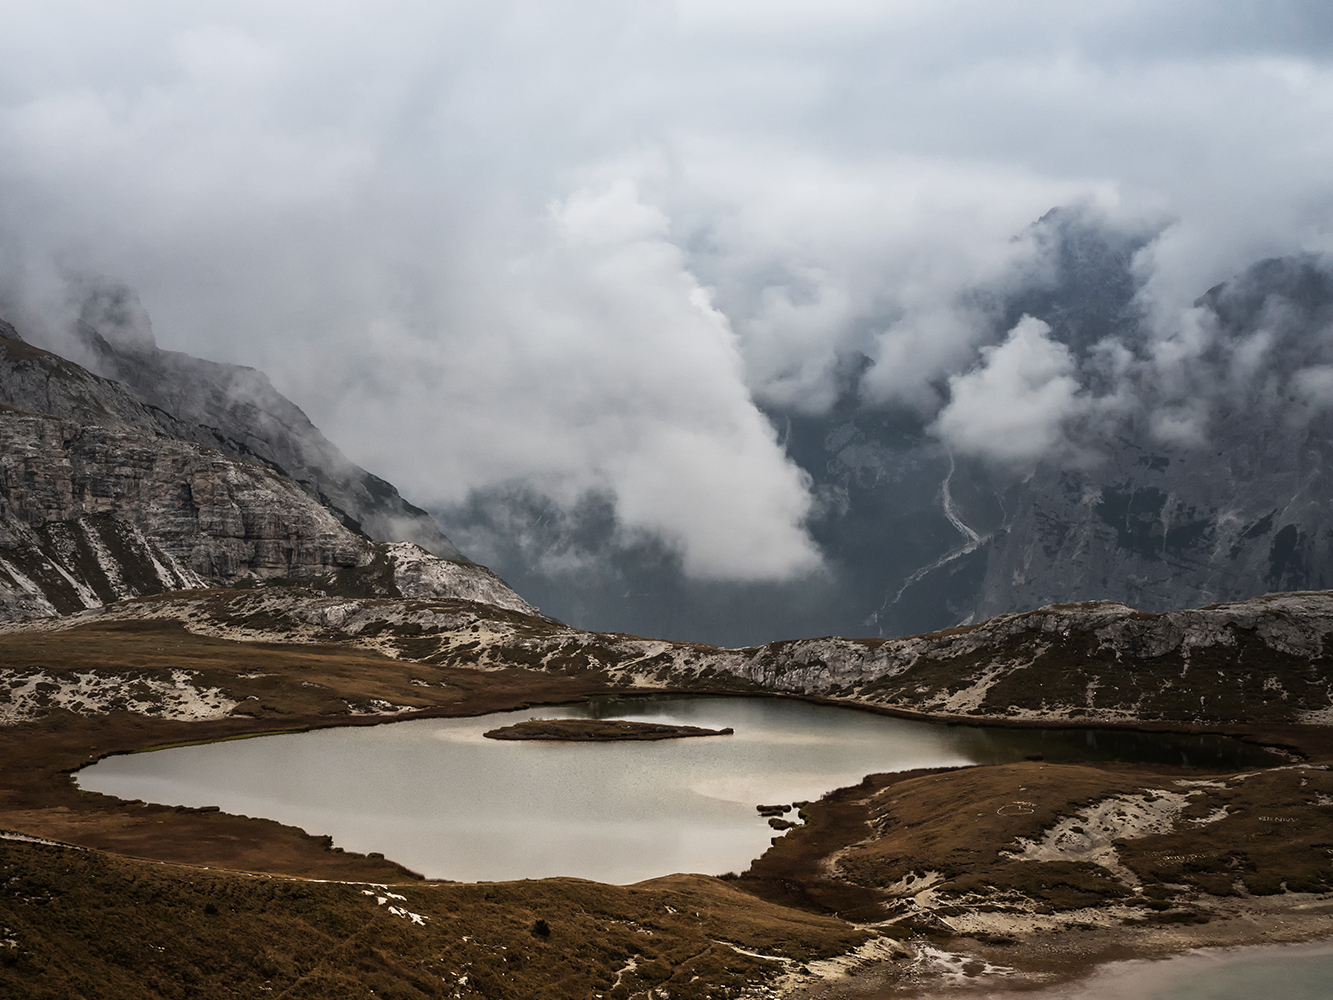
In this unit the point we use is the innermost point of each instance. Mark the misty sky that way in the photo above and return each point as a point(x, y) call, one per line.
point(578, 245)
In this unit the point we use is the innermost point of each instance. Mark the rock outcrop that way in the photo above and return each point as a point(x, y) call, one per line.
point(238, 411)
point(1267, 660)
point(104, 497)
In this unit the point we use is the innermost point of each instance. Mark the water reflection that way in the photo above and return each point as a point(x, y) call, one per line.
point(439, 798)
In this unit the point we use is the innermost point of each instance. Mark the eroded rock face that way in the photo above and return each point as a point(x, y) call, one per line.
point(1236, 503)
point(238, 411)
point(112, 514)
point(100, 500)
point(1266, 658)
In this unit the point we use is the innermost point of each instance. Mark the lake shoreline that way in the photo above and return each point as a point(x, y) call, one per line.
point(327, 687)
point(1073, 965)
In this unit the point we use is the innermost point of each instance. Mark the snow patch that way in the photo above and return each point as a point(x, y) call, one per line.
point(1089, 834)
point(416, 918)
point(958, 967)
point(27, 696)
point(24, 838)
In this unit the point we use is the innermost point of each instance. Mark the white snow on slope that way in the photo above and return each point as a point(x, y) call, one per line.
point(26, 696)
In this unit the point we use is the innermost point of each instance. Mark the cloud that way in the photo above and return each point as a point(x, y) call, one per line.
point(1315, 385)
point(1014, 406)
point(577, 245)
point(592, 360)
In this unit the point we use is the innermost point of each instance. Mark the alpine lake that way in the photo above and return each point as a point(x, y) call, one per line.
point(437, 796)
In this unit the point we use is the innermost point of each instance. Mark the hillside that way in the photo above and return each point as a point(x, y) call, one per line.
point(1268, 660)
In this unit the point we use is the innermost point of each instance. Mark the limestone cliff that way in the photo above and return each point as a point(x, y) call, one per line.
point(238, 411)
point(102, 497)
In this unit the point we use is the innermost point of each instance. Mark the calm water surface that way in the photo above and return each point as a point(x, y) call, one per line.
point(1288, 972)
point(437, 797)
point(1291, 977)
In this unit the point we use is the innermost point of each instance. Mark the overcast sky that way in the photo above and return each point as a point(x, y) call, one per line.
point(575, 244)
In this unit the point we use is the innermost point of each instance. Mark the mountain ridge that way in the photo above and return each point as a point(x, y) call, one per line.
point(237, 409)
point(1266, 660)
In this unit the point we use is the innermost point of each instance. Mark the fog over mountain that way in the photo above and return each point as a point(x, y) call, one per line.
point(1083, 458)
point(729, 321)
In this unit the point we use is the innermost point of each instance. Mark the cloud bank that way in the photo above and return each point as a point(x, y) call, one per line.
point(579, 246)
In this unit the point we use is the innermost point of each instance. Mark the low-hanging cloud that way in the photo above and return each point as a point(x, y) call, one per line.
point(594, 361)
point(1015, 405)
point(577, 246)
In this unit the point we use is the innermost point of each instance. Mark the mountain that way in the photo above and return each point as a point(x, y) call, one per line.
point(1208, 483)
point(237, 411)
point(1244, 508)
point(105, 496)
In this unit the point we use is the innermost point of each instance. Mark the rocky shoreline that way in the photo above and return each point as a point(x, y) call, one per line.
point(964, 900)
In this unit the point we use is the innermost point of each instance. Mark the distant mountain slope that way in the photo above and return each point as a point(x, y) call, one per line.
point(104, 497)
point(1233, 502)
point(1243, 507)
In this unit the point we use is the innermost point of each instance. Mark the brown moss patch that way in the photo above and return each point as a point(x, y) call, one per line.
point(1276, 834)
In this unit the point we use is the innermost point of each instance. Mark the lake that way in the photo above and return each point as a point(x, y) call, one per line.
point(1292, 972)
point(436, 796)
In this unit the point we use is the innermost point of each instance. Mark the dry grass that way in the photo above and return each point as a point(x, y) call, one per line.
point(87, 924)
point(137, 921)
point(957, 832)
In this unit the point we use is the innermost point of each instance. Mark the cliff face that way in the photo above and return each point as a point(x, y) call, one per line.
point(102, 498)
point(1243, 507)
point(122, 513)
point(1235, 503)
point(237, 411)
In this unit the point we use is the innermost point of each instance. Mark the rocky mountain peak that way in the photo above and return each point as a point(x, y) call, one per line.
point(114, 312)
point(107, 494)
point(237, 410)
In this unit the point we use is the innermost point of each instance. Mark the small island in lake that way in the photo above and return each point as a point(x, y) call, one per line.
point(598, 730)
